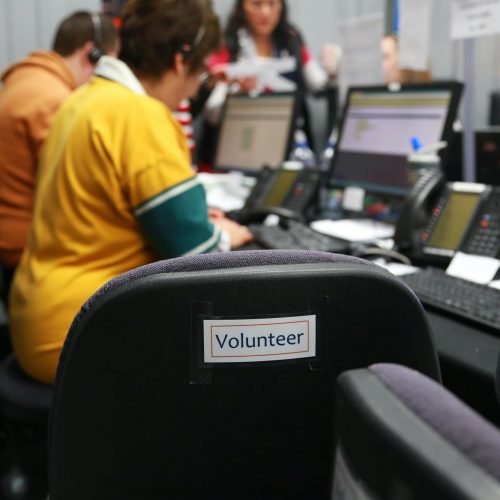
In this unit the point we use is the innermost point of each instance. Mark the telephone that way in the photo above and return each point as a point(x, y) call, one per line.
point(284, 191)
point(462, 216)
point(415, 210)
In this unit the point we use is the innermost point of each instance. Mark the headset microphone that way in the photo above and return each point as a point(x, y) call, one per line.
point(96, 52)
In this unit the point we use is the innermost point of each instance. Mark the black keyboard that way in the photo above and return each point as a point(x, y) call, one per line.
point(478, 303)
point(297, 236)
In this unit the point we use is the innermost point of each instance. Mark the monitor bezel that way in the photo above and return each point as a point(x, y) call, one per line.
point(454, 87)
point(297, 99)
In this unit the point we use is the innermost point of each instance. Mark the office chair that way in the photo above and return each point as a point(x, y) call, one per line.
point(24, 407)
point(145, 408)
point(400, 435)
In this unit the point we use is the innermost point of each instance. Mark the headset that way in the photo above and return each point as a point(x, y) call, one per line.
point(96, 52)
point(187, 49)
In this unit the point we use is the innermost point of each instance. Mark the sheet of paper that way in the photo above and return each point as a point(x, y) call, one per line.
point(361, 54)
point(414, 34)
point(353, 199)
point(396, 268)
point(225, 191)
point(495, 284)
point(356, 230)
point(267, 71)
point(473, 268)
point(470, 19)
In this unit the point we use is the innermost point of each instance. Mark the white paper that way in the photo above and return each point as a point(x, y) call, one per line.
point(361, 54)
point(495, 284)
point(225, 191)
point(414, 34)
point(396, 268)
point(267, 71)
point(258, 340)
point(356, 230)
point(474, 268)
point(470, 19)
point(353, 199)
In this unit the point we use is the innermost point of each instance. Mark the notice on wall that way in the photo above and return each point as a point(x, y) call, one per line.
point(474, 18)
point(361, 54)
point(414, 34)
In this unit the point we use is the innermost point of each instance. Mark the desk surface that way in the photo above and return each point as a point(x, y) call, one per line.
point(475, 349)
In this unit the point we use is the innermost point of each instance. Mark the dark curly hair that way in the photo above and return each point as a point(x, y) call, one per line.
point(153, 31)
point(284, 34)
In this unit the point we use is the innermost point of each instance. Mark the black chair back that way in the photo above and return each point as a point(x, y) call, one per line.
point(139, 413)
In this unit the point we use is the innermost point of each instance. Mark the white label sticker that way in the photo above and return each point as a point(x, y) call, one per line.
point(259, 340)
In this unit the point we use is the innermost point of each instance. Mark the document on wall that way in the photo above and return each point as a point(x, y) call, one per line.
point(361, 54)
point(470, 19)
point(414, 34)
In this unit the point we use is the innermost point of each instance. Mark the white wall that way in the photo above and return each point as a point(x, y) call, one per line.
point(319, 21)
point(29, 24)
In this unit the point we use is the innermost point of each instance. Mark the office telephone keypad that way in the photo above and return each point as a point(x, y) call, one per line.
point(485, 236)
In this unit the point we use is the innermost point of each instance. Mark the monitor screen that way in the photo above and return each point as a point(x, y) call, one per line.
point(378, 126)
point(454, 220)
point(282, 185)
point(255, 131)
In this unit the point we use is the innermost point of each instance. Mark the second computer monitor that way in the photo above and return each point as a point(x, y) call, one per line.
point(255, 131)
point(378, 127)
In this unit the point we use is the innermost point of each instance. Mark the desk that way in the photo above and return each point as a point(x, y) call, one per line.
point(468, 358)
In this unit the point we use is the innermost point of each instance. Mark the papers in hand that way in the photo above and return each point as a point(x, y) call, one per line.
point(355, 230)
point(267, 72)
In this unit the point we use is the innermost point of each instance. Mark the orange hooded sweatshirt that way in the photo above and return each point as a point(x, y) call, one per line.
point(33, 89)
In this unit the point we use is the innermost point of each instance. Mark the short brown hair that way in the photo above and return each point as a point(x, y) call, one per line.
point(78, 29)
point(153, 31)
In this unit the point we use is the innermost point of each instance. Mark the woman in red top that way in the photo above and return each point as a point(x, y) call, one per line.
point(258, 34)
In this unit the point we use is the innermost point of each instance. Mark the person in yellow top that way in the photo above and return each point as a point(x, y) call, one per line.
point(115, 186)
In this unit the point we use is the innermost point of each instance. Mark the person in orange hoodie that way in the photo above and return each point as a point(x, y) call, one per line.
point(33, 89)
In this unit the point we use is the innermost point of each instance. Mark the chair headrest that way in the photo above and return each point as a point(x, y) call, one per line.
point(445, 413)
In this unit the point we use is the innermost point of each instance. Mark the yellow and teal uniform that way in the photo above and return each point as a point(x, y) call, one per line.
point(115, 191)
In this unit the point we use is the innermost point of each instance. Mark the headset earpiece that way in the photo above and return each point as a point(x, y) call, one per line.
point(96, 52)
point(94, 55)
point(187, 49)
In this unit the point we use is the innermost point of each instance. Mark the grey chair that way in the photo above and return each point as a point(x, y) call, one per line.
point(400, 435)
point(212, 377)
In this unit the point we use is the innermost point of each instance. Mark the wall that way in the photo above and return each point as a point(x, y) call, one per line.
point(29, 24)
point(319, 24)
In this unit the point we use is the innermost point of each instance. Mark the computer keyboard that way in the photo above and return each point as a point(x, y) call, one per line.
point(478, 303)
point(297, 236)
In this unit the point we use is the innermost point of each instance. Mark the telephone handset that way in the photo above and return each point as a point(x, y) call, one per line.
point(284, 192)
point(465, 217)
point(416, 209)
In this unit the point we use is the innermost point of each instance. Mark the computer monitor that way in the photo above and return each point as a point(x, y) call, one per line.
point(255, 131)
point(487, 157)
point(377, 128)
